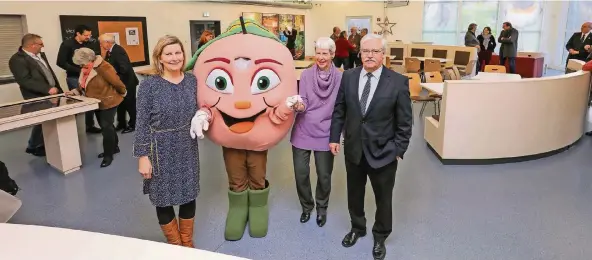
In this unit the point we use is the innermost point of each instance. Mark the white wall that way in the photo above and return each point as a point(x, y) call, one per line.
point(162, 18)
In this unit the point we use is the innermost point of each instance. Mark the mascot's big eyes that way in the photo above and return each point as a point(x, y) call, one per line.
point(265, 80)
point(219, 80)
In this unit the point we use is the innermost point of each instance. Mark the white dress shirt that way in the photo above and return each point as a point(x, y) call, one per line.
point(37, 57)
point(373, 84)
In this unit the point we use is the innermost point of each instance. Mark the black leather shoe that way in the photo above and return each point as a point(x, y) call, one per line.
point(304, 217)
point(321, 220)
point(351, 238)
point(93, 130)
point(40, 152)
point(101, 155)
point(379, 250)
point(106, 161)
point(589, 133)
point(120, 127)
point(128, 129)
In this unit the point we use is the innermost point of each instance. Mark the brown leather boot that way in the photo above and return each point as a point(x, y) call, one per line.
point(186, 230)
point(171, 232)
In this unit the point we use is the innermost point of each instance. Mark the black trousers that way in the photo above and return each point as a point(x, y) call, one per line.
point(127, 106)
point(354, 60)
point(342, 61)
point(383, 182)
point(166, 214)
point(511, 60)
point(324, 165)
point(110, 139)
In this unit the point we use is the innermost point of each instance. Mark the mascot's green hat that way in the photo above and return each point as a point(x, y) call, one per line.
point(241, 25)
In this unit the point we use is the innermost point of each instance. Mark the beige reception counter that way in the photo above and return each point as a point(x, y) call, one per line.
point(497, 121)
point(57, 116)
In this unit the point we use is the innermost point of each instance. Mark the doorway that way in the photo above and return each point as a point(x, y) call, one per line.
point(198, 27)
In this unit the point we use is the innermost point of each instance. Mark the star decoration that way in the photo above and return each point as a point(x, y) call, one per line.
point(386, 24)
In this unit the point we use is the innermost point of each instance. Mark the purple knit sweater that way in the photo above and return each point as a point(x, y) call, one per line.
point(318, 90)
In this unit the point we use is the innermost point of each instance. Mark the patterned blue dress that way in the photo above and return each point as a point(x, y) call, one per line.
point(164, 113)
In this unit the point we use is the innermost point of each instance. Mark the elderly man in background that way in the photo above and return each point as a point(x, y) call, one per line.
point(373, 110)
point(35, 78)
point(578, 45)
point(354, 38)
point(336, 32)
point(118, 58)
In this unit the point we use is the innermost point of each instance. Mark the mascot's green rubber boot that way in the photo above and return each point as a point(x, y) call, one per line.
point(258, 212)
point(238, 212)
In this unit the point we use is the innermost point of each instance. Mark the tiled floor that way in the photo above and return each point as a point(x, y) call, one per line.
point(531, 210)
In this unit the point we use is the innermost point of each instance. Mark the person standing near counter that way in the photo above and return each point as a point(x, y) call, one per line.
point(472, 41)
point(117, 56)
point(35, 78)
point(508, 39)
point(168, 156)
point(487, 46)
point(81, 39)
point(578, 45)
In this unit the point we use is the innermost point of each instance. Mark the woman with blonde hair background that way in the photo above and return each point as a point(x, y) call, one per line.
point(168, 156)
point(98, 79)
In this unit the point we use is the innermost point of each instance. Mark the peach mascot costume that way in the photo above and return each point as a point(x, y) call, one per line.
point(247, 92)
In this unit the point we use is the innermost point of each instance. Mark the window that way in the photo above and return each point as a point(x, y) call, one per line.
point(446, 22)
point(11, 32)
point(578, 13)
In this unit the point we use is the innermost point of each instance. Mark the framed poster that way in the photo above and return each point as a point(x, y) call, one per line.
point(359, 22)
point(130, 33)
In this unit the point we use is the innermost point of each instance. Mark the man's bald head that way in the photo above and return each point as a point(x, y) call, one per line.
point(586, 27)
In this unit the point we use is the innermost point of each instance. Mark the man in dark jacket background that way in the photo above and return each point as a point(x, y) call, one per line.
point(35, 78)
point(81, 39)
point(118, 58)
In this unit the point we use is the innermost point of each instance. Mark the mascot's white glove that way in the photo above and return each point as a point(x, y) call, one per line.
point(199, 124)
point(291, 101)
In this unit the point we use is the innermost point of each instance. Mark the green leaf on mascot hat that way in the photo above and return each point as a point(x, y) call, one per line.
point(241, 25)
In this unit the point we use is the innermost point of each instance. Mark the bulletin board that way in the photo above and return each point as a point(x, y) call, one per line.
point(129, 32)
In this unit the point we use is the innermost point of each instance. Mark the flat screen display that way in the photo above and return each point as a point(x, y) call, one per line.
point(34, 106)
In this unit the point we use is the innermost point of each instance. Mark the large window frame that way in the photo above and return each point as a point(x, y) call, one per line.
point(433, 35)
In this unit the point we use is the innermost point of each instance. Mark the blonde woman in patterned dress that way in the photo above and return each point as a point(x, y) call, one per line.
point(168, 156)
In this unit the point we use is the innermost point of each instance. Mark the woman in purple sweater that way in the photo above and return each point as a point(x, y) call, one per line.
point(318, 88)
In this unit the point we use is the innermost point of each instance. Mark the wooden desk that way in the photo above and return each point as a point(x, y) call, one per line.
point(437, 88)
point(443, 61)
point(527, 67)
point(57, 116)
point(303, 64)
point(38, 242)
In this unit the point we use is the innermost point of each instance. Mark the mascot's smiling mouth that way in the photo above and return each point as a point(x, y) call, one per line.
point(240, 125)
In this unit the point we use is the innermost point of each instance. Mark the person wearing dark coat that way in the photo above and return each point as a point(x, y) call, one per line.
point(36, 79)
point(487, 43)
point(508, 39)
point(118, 58)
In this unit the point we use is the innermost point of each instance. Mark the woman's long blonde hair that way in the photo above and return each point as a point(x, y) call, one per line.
point(163, 42)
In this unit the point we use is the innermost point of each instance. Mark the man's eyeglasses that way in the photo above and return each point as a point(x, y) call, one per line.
point(368, 52)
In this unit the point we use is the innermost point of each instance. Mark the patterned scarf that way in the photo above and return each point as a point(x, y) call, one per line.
point(85, 72)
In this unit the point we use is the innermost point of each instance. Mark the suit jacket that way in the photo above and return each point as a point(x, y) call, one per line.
point(381, 134)
point(575, 42)
point(120, 61)
point(29, 75)
point(509, 47)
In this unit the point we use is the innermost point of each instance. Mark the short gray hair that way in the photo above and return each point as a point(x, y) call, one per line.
point(107, 37)
point(83, 56)
point(326, 43)
point(372, 36)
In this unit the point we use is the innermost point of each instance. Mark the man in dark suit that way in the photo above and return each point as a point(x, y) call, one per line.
point(508, 39)
point(578, 45)
point(373, 108)
point(117, 56)
point(35, 78)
